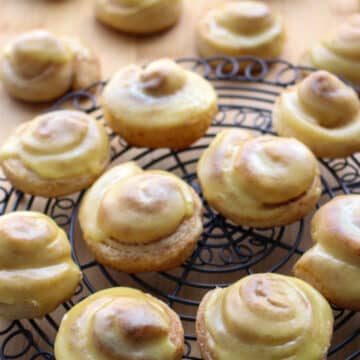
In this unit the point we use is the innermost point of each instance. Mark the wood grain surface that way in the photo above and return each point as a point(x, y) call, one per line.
point(306, 20)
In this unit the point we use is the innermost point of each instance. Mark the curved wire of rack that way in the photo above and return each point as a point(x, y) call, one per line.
point(225, 252)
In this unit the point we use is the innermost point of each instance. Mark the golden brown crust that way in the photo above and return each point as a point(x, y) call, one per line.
point(249, 320)
point(139, 17)
point(121, 323)
point(115, 236)
point(323, 113)
point(39, 157)
point(285, 172)
point(38, 66)
point(333, 264)
point(241, 28)
point(150, 107)
point(36, 252)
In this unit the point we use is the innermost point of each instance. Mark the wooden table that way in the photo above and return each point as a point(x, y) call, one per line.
point(306, 20)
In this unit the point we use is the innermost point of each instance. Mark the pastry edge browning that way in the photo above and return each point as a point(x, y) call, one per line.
point(176, 332)
point(201, 331)
point(26, 180)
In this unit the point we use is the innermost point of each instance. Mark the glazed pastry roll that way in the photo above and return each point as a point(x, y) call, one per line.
point(323, 113)
point(138, 16)
point(37, 271)
point(162, 105)
point(135, 220)
point(333, 264)
point(56, 154)
point(39, 66)
point(120, 323)
point(267, 317)
point(339, 51)
point(260, 181)
point(239, 28)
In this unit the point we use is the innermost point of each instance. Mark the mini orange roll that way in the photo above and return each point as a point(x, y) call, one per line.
point(37, 271)
point(260, 181)
point(267, 317)
point(239, 28)
point(120, 323)
point(139, 17)
point(39, 66)
point(323, 113)
point(135, 220)
point(56, 154)
point(161, 105)
point(332, 265)
point(339, 51)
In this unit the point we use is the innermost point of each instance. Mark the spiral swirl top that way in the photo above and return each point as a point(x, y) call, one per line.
point(241, 28)
point(59, 144)
point(122, 324)
point(333, 264)
point(39, 66)
point(322, 112)
point(36, 252)
point(267, 316)
point(264, 181)
point(130, 209)
point(339, 52)
point(158, 199)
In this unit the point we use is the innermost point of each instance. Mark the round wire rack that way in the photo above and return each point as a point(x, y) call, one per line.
point(225, 252)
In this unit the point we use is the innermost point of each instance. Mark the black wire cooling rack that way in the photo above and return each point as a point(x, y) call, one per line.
point(225, 252)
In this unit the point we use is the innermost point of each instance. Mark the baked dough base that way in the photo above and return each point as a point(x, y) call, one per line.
point(27, 181)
